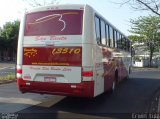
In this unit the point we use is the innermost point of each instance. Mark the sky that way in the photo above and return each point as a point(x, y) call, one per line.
point(117, 15)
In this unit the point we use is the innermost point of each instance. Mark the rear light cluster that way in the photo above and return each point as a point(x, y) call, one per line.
point(19, 72)
point(87, 74)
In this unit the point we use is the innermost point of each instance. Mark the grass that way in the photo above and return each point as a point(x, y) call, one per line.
point(7, 78)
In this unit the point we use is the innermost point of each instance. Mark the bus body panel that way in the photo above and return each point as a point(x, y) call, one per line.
point(54, 59)
point(83, 89)
point(91, 54)
point(99, 82)
point(52, 74)
point(20, 42)
point(53, 40)
point(69, 62)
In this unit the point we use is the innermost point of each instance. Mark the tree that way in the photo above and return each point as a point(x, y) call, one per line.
point(9, 35)
point(147, 5)
point(35, 3)
point(2, 47)
point(135, 38)
point(147, 30)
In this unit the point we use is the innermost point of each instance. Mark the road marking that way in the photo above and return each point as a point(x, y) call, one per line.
point(51, 101)
point(13, 105)
point(3, 68)
point(7, 73)
point(19, 101)
point(7, 68)
point(11, 67)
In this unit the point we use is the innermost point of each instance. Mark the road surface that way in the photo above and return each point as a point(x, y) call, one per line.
point(131, 97)
point(7, 68)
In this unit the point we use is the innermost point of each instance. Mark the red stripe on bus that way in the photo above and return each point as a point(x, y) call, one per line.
point(83, 89)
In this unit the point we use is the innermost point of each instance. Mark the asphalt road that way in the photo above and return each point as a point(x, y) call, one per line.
point(7, 70)
point(131, 98)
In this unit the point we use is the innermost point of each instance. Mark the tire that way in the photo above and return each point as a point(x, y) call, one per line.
point(116, 76)
point(113, 86)
point(129, 72)
point(114, 83)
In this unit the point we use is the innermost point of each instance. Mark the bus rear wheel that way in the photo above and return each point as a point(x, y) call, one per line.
point(113, 85)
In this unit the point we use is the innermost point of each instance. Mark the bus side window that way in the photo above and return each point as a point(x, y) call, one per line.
point(115, 39)
point(107, 35)
point(97, 29)
point(123, 43)
point(128, 46)
point(103, 38)
point(110, 36)
point(118, 40)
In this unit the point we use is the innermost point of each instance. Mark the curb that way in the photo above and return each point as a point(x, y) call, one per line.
point(146, 69)
point(6, 82)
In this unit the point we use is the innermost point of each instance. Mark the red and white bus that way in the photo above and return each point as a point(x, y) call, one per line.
point(70, 50)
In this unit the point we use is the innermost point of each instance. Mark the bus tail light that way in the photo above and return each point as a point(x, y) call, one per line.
point(87, 74)
point(19, 73)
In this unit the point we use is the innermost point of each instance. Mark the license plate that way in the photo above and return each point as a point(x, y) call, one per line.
point(50, 79)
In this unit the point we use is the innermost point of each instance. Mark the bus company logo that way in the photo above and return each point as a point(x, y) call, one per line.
point(52, 17)
point(53, 37)
point(30, 52)
point(57, 38)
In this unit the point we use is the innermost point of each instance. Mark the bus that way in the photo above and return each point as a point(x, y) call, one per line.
point(70, 50)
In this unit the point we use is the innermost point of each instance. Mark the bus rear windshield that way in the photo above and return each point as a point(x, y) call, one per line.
point(58, 22)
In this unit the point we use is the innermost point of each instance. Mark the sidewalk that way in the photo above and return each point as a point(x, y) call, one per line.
point(144, 69)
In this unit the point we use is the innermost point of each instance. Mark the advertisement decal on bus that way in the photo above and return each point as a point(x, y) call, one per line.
point(55, 56)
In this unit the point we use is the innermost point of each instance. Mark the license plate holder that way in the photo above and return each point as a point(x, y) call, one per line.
point(50, 79)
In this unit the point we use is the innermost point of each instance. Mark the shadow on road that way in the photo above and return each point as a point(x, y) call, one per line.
point(131, 96)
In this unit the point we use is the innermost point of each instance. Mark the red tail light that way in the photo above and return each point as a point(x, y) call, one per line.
point(19, 71)
point(87, 73)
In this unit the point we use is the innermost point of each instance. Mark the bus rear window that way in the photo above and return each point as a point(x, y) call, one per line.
point(58, 22)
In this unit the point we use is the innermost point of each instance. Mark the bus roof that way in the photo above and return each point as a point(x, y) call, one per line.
point(70, 7)
point(58, 7)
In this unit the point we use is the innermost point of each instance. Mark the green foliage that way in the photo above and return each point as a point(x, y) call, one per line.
point(2, 42)
point(136, 38)
point(9, 34)
point(136, 58)
point(147, 30)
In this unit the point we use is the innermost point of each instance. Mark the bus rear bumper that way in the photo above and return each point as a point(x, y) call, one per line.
point(83, 89)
